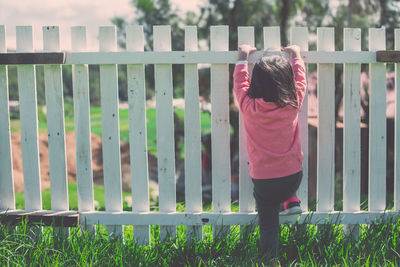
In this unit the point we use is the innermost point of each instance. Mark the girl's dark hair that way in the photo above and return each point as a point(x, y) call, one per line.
point(273, 81)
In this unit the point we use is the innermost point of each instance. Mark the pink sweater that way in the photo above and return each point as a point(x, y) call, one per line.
point(272, 133)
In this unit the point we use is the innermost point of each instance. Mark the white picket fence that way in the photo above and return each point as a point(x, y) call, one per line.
point(219, 57)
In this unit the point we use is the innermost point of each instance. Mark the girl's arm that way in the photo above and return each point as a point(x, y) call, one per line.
point(241, 77)
point(300, 79)
point(298, 70)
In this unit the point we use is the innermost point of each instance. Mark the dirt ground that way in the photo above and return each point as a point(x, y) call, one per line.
point(97, 161)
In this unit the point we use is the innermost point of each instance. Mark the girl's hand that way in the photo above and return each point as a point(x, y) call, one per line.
point(245, 51)
point(293, 51)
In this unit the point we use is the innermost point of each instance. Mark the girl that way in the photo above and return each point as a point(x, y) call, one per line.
point(270, 105)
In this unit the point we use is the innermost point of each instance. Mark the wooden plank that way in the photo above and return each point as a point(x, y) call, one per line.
point(351, 131)
point(29, 122)
point(138, 133)
point(208, 57)
point(377, 125)
point(220, 137)
point(388, 56)
point(165, 129)
point(326, 120)
point(55, 123)
point(233, 218)
point(272, 38)
point(192, 129)
point(110, 128)
point(32, 58)
point(7, 199)
point(397, 127)
point(44, 218)
point(80, 85)
point(299, 36)
point(246, 199)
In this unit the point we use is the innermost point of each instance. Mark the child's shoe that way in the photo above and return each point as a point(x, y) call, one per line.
point(291, 206)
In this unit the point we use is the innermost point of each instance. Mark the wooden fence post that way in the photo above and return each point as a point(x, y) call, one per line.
point(299, 36)
point(246, 199)
point(138, 133)
point(80, 84)
point(326, 124)
point(165, 129)
point(397, 128)
point(29, 122)
point(220, 138)
point(7, 199)
point(110, 128)
point(351, 130)
point(377, 125)
point(193, 178)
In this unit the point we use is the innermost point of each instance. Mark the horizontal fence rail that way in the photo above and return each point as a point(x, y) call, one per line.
point(187, 57)
point(218, 59)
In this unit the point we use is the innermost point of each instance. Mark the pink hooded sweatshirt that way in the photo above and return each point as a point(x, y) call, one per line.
point(272, 133)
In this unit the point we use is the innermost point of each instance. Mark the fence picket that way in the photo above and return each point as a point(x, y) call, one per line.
point(110, 128)
point(220, 145)
point(165, 129)
point(377, 125)
point(272, 38)
point(397, 127)
point(351, 130)
point(7, 200)
point(29, 122)
point(246, 199)
point(192, 129)
point(326, 124)
point(299, 36)
point(80, 85)
point(55, 123)
point(138, 133)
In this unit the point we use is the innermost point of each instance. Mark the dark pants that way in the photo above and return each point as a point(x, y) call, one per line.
point(269, 194)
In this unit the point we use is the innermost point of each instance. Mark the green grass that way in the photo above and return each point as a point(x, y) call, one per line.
point(72, 196)
point(300, 245)
point(96, 126)
point(307, 245)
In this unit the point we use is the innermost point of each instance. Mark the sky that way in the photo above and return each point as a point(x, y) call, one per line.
point(67, 13)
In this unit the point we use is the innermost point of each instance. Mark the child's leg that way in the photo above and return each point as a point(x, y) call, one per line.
point(269, 193)
point(268, 214)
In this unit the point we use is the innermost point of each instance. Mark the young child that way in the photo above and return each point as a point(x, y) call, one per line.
point(269, 105)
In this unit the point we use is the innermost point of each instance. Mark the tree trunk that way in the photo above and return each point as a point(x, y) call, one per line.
point(285, 14)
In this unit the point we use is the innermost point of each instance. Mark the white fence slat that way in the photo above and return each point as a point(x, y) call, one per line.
point(192, 129)
point(220, 146)
point(220, 136)
point(165, 129)
point(7, 200)
point(397, 127)
point(110, 127)
point(246, 199)
point(207, 57)
point(351, 131)
point(55, 123)
point(299, 36)
point(326, 124)
point(29, 122)
point(272, 38)
point(138, 133)
point(80, 85)
point(377, 125)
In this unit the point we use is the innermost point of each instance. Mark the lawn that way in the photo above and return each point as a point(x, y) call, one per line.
point(300, 245)
point(96, 126)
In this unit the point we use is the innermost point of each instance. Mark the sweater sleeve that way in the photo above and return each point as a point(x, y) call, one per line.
point(241, 86)
point(300, 79)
